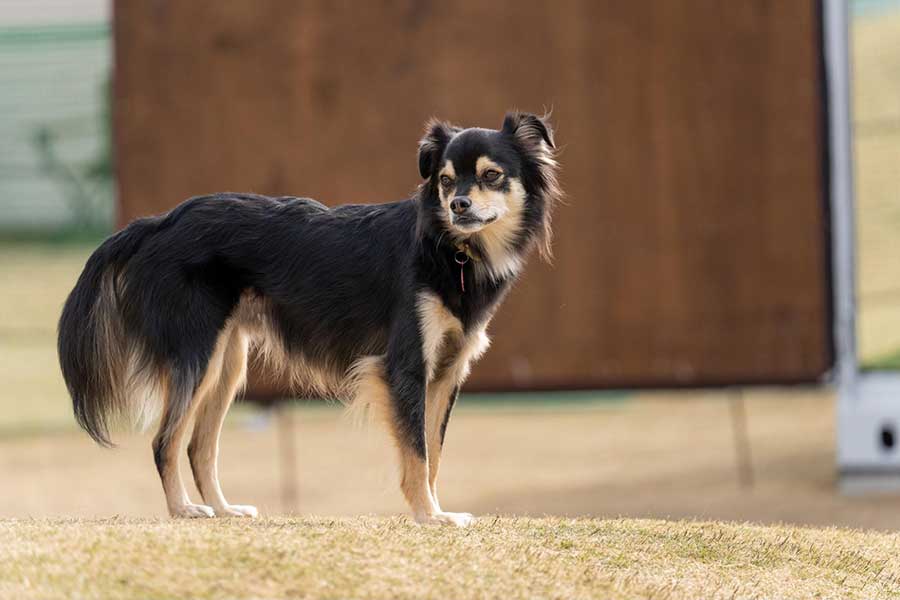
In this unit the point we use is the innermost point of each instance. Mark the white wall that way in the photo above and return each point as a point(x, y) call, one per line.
point(55, 59)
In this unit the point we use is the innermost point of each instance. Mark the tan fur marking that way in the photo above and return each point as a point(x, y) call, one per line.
point(449, 171)
point(438, 398)
point(326, 381)
point(177, 498)
point(414, 484)
point(135, 391)
point(484, 163)
point(435, 321)
point(372, 399)
point(370, 395)
point(204, 446)
point(436, 402)
point(497, 238)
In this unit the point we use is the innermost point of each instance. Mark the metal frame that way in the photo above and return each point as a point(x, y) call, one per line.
point(868, 409)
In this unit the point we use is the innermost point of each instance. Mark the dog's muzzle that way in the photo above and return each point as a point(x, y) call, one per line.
point(463, 216)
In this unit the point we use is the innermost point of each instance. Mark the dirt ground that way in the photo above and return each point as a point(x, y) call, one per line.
point(651, 455)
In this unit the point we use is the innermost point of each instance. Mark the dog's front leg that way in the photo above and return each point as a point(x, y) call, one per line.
point(406, 380)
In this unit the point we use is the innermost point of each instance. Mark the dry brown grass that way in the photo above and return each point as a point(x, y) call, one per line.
point(391, 558)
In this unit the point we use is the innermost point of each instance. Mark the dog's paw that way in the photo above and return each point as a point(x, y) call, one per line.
point(447, 518)
point(192, 511)
point(237, 510)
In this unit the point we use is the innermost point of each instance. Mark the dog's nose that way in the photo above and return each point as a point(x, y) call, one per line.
point(460, 204)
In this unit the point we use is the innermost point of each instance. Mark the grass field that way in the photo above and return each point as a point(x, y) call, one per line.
point(390, 558)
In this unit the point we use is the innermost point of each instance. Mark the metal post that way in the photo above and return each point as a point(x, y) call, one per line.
point(287, 450)
point(843, 219)
point(741, 438)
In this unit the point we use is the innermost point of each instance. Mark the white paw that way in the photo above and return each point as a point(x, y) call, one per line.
point(192, 511)
point(447, 518)
point(237, 510)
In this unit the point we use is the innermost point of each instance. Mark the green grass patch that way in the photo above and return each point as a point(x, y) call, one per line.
point(886, 362)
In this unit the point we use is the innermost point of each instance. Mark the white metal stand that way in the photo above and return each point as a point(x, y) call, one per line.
point(868, 411)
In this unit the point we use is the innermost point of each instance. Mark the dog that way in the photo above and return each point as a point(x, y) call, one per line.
point(382, 306)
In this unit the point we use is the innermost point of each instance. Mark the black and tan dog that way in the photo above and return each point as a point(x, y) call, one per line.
point(383, 305)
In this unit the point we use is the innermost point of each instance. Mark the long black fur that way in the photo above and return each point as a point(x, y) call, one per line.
point(339, 283)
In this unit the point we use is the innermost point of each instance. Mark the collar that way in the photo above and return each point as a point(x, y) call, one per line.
point(466, 248)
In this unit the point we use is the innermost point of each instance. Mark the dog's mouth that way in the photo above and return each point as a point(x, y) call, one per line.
point(466, 221)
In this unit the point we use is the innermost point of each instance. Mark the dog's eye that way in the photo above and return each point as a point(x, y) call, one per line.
point(446, 181)
point(491, 175)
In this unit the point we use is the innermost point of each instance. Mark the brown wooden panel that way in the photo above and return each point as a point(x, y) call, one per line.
point(693, 246)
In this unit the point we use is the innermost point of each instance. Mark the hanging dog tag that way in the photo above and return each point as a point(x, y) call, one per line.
point(461, 259)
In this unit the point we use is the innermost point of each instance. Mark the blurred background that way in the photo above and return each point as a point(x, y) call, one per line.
point(674, 361)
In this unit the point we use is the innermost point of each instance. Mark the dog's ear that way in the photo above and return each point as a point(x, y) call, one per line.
point(534, 136)
point(530, 130)
point(431, 147)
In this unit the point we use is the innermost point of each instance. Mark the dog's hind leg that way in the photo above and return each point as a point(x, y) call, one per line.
point(166, 450)
point(203, 449)
point(182, 398)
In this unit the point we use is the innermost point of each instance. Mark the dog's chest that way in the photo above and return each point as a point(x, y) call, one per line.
point(446, 345)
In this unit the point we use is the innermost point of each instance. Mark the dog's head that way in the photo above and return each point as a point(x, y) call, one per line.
point(495, 187)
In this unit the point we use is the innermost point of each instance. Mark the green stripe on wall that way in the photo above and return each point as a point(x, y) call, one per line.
point(33, 35)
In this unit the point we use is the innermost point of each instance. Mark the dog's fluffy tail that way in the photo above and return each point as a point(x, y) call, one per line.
point(104, 367)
